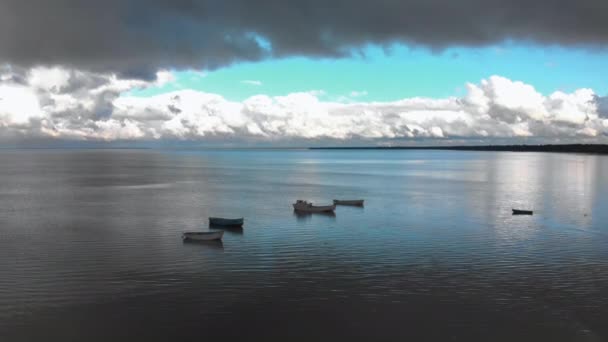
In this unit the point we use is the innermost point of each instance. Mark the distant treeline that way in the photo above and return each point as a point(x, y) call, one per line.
point(570, 148)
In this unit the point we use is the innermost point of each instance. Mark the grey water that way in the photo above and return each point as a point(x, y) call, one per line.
point(90, 246)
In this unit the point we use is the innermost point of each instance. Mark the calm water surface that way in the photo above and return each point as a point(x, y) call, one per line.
point(90, 246)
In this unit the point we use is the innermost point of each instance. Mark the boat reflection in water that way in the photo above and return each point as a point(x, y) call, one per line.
point(304, 216)
point(212, 244)
point(233, 230)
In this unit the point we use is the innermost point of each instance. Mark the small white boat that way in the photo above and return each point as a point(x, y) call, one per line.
point(358, 202)
point(306, 207)
point(203, 236)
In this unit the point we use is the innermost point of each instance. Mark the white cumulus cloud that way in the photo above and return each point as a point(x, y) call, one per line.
point(59, 103)
point(252, 82)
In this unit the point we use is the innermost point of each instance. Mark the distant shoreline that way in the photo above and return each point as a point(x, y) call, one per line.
point(569, 148)
point(560, 148)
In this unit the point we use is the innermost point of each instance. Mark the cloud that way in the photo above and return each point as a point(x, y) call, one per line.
point(59, 103)
point(356, 93)
point(66, 103)
point(252, 82)
point(602, 105)
point(135, 37)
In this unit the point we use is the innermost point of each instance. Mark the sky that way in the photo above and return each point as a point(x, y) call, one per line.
point(284, 73)
point(400, 73)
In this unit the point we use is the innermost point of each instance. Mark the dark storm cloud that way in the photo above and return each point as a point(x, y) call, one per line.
point(136, 37)
point(80, 81)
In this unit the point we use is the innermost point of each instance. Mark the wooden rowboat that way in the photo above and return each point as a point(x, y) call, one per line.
point(306, 207)
point(202, 236)
point(522, 212)
point(349, 202)
point(224, 222)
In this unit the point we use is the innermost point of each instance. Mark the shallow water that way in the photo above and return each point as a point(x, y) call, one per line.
point(90, 246)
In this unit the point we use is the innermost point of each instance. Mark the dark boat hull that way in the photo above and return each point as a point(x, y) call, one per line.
point(522, 212)
point(223, 222)
point(309, 208)
point(356, 203)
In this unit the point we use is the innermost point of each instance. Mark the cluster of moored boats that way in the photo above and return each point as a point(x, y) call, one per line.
point(300, 206)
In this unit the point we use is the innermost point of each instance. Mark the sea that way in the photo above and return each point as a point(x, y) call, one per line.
point(91, 247)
